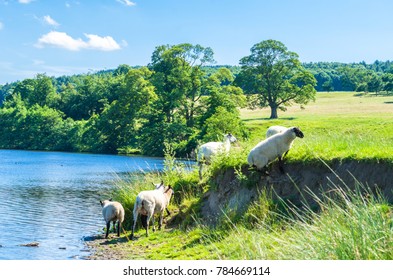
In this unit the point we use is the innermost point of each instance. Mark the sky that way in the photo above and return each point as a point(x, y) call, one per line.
point(66, 37)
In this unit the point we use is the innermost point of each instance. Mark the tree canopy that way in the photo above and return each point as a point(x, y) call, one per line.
point(276, 76)
point(171, 100)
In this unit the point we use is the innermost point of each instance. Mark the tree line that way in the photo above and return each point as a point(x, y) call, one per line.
point(178, 98)
point(171, 100)
point(361, 77)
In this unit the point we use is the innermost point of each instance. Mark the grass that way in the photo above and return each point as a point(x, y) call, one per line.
point(337, 126)
point(349, 224)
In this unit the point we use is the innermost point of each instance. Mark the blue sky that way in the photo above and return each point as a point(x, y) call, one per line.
point(65, 37)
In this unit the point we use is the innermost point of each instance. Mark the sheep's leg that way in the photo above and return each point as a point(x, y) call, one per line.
point(167, 211)
point(160, 221)
point(264, 170)
point(135, 220)
point(152, 221)
point(108, 224)
point(118, 228)
point(149, 216)
point(200, 170)
point(114, 226)
point(280, 164)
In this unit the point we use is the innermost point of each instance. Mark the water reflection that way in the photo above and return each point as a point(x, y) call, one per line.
point(53, 198)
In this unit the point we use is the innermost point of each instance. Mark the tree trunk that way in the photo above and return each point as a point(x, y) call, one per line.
point(273, 112)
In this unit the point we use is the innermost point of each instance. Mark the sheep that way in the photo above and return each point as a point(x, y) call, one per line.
point(208, 150)
point(274, 130)
point(149, 203)
point(273, 147)
point(112, 211)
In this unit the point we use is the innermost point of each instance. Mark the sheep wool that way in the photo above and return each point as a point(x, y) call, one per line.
point(207, 150)
point(112, 211)
point(149, 203)
point(210, 149)
point(273, 147)
point(274, 130)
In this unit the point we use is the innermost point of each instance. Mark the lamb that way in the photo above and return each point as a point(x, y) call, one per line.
point(273, 147)
point(149, 203)
point(112, 211)
point(274, 130)
point(208, 150)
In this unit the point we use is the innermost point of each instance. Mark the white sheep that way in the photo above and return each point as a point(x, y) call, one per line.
point(274, 130)
point(208, 150)
point(112, 211)
point(150, 202)
point(273, 147)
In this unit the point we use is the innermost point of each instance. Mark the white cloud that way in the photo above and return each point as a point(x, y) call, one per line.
point(127, 3)
point(50, 21)
point(25, 1)
point(63, 40)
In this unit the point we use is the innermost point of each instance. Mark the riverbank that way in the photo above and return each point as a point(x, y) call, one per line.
point(244, 215)
point(102, 249)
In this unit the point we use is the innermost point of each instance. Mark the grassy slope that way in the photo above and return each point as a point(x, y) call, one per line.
point(337, 126)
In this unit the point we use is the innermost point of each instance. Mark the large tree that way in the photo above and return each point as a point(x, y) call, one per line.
point(276, 77)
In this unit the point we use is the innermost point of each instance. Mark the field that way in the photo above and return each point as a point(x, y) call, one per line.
point(356, 224)
point(337, 125)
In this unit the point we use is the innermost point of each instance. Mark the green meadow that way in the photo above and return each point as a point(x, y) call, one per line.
point(349, 225)
point(338, 125)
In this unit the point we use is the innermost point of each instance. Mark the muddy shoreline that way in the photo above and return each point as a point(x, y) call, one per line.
point(113, 248)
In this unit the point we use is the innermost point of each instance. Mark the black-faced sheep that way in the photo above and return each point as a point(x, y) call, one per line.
point(208, 150)
point(273, 147)
point(149, 203)
point(112, 211)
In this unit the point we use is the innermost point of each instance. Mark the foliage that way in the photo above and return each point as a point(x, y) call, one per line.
point(276, 76)
point(178, 98)
point(127, 109)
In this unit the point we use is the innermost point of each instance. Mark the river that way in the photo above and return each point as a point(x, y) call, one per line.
point(52, 198)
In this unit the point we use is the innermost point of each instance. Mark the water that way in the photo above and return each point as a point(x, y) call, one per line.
point(53, 198)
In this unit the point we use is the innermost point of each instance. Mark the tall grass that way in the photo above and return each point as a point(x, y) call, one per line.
point(179, 174)
point(351, 225)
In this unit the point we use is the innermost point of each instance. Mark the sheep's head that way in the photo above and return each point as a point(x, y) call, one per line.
point(160, 186)
point(105, 202)
point(169, 192)
point(231, 138)
point(298, 132)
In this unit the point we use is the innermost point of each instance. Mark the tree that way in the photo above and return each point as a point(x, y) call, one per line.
point(116, 126)
point(178, 79)
point(276, 76)
point(387, 80)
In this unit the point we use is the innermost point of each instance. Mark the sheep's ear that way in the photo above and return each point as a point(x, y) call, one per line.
point(101, 202)
point(110, 199)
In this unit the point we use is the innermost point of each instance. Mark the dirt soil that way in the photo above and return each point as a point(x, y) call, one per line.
point(113, 248)
point(233, 193)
